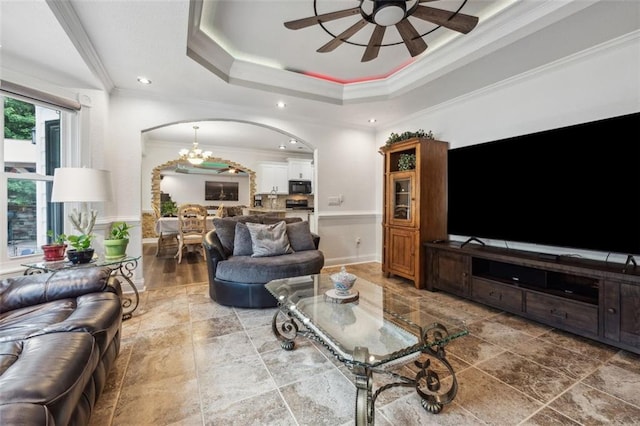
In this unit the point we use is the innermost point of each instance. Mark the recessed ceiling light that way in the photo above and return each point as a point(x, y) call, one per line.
point(144, 80)
point(292, 141)
point(372, 120)
point(282, 146)
point(281, 104)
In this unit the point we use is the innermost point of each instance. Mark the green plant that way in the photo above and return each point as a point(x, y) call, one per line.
point(80, 242)
point(119, 231)
point(169, 208)
point(407, 162)
point(56, 239)
point(395, 137)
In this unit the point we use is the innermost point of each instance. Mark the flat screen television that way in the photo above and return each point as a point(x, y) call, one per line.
point(572, 187)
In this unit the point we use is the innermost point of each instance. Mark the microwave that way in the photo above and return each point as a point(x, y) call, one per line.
point(299, 187)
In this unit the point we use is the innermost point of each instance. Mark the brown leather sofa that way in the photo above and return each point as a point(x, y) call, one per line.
point(59, 337)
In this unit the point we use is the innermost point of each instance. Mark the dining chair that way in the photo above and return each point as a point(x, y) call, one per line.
point(192, 227)
point(165, 238)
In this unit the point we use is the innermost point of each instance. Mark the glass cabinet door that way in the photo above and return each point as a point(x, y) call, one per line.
point(402, 198)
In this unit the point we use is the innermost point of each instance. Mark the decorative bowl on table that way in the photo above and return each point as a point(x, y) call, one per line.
point(343, 282)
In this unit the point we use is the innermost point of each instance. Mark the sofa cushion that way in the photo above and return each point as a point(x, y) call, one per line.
point(269, 240)
point(51, 370)
point(260, 270)
point(300, 236)
point(242, 241)
point(226, 231)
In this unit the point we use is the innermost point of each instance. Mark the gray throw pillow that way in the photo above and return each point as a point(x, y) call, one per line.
point(226, 231)
point(242, 241)
point(300, 236)
point(269, 240)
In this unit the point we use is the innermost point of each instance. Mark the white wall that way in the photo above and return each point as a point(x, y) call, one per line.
point(185, 189)
point(600, 83)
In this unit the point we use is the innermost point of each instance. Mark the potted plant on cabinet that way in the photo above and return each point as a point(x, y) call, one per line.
point(55, 250)
point(115, 245)
point(82, 252)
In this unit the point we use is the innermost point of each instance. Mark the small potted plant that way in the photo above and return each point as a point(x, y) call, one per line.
point(54, 251)
point(115, 245)
point(169, 209)
point(82, 252)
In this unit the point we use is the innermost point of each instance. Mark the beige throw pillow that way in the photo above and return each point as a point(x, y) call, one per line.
point(269, 240)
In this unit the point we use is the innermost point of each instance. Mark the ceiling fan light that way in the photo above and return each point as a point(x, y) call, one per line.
point(388, 12)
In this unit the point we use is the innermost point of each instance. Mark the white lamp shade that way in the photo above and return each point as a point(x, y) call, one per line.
point(81, 185)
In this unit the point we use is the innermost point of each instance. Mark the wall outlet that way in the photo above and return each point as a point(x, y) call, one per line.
point(357, 241)
point(334, 201)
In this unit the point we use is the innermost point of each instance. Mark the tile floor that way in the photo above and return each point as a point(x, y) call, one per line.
point(186, 360)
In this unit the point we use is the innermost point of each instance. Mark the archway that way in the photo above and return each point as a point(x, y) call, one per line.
point(229, 135)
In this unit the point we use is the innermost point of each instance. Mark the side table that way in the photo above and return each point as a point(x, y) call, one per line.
point(122, 268)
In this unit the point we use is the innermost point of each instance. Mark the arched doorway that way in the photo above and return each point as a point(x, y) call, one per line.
point(217, 134)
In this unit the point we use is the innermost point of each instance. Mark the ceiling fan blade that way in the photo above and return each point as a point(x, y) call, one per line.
point(411, 38)
point(340, 38)
point(325, 17)
point(371, 52)
point(459, 22)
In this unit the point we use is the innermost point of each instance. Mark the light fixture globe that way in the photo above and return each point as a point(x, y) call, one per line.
point(388, 12)
point(195, 155)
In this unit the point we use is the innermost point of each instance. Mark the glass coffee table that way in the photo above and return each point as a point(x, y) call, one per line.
point(370, 330)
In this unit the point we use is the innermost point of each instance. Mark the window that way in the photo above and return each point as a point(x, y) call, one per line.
point(31, 152)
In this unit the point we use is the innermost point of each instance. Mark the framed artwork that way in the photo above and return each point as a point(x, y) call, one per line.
point(221, 191)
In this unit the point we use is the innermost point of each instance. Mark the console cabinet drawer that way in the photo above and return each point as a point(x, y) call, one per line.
point(562, 313)
point(501, 296)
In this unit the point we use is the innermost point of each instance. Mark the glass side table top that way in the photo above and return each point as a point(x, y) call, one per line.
point(66, 264)
point(369, 330)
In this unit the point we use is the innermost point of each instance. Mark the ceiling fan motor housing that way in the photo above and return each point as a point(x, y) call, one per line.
point(388, 12)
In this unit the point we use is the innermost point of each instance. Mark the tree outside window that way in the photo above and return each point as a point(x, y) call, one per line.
point(28, 144)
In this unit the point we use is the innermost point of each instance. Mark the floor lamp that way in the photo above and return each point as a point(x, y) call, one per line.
point(81, 185)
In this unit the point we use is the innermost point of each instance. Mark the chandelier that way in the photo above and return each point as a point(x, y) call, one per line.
point(195, 155)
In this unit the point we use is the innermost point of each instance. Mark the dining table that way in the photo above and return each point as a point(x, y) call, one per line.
point(167, 229)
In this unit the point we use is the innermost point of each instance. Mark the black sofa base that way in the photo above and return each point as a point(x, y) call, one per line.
point(241, 295)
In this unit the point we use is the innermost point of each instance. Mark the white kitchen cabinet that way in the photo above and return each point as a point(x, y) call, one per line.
point(273, 176)
point(300, 169)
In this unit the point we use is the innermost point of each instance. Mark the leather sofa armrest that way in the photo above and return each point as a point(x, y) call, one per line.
point(29, 290)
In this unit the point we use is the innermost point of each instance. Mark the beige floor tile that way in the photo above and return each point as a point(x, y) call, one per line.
point(187, 361)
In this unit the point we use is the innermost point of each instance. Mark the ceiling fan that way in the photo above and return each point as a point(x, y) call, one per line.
point(383, 14)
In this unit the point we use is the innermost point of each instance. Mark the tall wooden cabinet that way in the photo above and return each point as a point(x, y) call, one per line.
point(415, 194)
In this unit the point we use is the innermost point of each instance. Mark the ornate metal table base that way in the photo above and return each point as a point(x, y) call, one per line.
point(433, 391)
point(130, 301)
